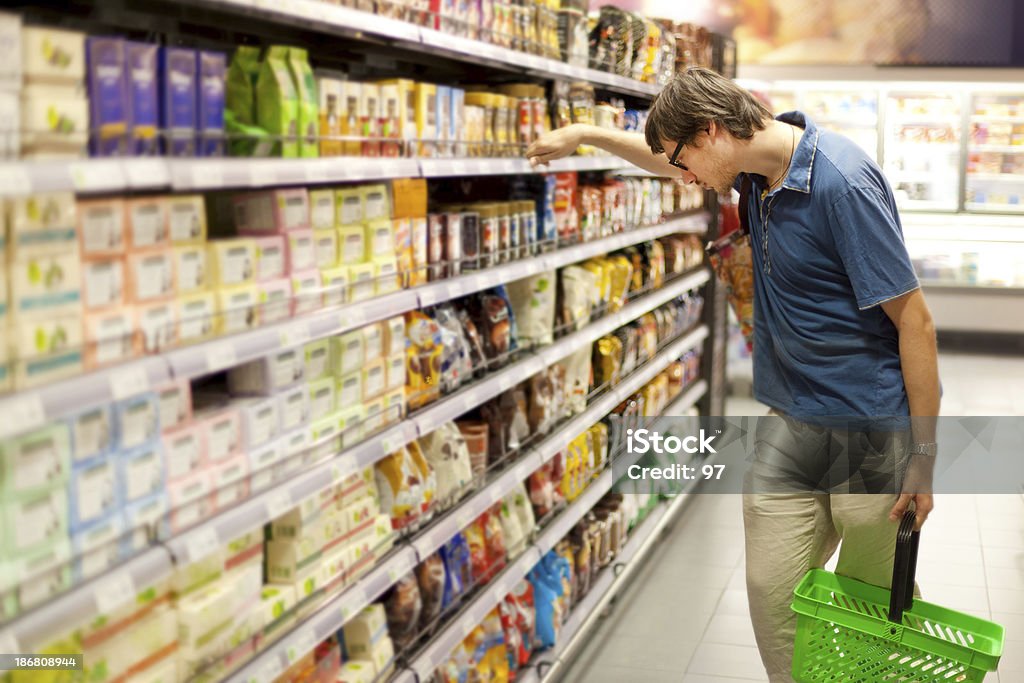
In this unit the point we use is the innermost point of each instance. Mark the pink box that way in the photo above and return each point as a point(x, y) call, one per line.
point(222, 432)
point(300, 247)
point(146, 224)
point(184, 452)
point(275, 301)
point(230, 482)
point(149, 276)
point(189, 500)
point(175, 399)
point(101, 227)
point(103, 284)
point(271, 258)
point(110, 337)
point(307, 292)
point(271, 212)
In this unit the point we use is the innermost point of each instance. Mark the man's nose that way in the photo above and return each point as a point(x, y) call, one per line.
point(688, 177)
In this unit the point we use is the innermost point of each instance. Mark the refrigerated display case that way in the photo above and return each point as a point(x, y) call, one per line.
point(921, 149)
point(995, 154)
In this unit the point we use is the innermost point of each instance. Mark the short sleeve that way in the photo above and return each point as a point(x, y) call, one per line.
point(869, 239)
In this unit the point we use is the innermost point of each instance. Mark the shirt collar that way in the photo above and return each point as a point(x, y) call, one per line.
point(799, 175)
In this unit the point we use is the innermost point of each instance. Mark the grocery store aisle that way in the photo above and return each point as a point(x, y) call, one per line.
point(685, 615)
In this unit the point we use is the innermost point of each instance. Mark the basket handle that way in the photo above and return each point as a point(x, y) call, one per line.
point(904, 568)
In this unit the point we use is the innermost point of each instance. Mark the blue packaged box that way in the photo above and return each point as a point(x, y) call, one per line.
point(108, 105)
point(141, 473)
point(212, 70)
point(137, 421)
point(92, 492)
point(97, 547)
point(178, 101)
point(143, 109)
point(146, 522)
point(547, 228)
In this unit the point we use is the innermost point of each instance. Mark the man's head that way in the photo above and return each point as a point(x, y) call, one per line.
point(702, 115)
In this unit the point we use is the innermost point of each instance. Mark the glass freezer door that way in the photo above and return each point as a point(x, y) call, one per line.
point(995, 154)
point(922, 149)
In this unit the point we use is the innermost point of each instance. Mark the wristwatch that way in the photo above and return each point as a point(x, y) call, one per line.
point(929, 449)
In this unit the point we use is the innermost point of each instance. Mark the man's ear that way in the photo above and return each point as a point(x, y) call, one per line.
point(713, 131)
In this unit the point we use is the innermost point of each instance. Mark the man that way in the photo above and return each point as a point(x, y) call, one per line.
point(844, 343)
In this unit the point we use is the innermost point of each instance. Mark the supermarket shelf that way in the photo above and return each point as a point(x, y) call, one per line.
point(1006, 149)
point(584, 616)
point(264, 507)
point(926, 205)
point(964, 288)
point(93, 176)
point(686, 400)
point(32, 408)
point(994, 208)
point(101, 595)
point(984, 118)
point(917, 147)
point(439, 649)
point(441, 532)
point(355, 23)
point(326, 621)
point(450, 407)
point(946, 176)
point(997, 177)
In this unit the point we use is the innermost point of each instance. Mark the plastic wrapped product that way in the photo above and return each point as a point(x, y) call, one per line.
point(403, 605)
point(479, 558)
point(577, 287)
point(423, 355)
point(542, 494)
point(540, 413)
point(458, 569)
point(428, 485)
point(515, 536)
point(548, 592)
point(492, 316)
point(430, 576)
point(477, 357)
point(399, 482)
point(476, 437)
point(446, 451)
point(533, 303)
point(577, 380)
point(456, 362)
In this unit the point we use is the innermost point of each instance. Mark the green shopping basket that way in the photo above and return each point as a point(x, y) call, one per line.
point(853, 632)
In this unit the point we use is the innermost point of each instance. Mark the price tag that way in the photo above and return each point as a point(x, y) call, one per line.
point(305, 641)
point(430, 295)
point(130, 381)
point(351, 317)
point(268, 672)
point(207, 174)
point(295, 334)
point(21, 414)
point(14, 181)
point(147, 172)
point(278, 504)
point(470, 401)
point(392, 442)
point(532, 267)
point(220, 356)
point(509, 166)
point(394, 573)
point(523, 470)
point(505, 381)
point(481, 282)
point(346, 612)
point(261, 174)
point(202, 543)
point(114, 591)
point(463, 519)
point(493, 494)
point(8, 642)
point(459, 167)
point(467, 627)
point(90, 176)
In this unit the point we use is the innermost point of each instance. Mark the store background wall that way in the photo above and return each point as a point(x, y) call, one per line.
point(933, 32)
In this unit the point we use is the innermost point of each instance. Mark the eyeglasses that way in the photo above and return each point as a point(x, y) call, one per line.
point(672, 160)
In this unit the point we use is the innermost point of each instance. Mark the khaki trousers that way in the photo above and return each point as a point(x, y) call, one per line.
point(790, 532)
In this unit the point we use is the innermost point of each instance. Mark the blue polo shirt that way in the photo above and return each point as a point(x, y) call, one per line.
point(827, 250)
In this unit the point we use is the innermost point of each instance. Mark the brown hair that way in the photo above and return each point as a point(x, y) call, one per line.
point(697, 97)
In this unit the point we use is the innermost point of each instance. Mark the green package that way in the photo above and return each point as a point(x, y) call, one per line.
point(305, 87)
point(240, 98)
point(277, 104)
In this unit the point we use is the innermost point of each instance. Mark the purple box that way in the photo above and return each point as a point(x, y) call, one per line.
point(178, 101)
point(143, 113)
point(108, 106)
point(212, 70)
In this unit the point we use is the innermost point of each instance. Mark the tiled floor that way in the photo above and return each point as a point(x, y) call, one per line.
point(685, 618)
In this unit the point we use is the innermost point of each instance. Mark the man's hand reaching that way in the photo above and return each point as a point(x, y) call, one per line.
point(555, 144)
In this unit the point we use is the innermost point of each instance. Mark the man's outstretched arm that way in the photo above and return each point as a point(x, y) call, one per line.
point(632, 147)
